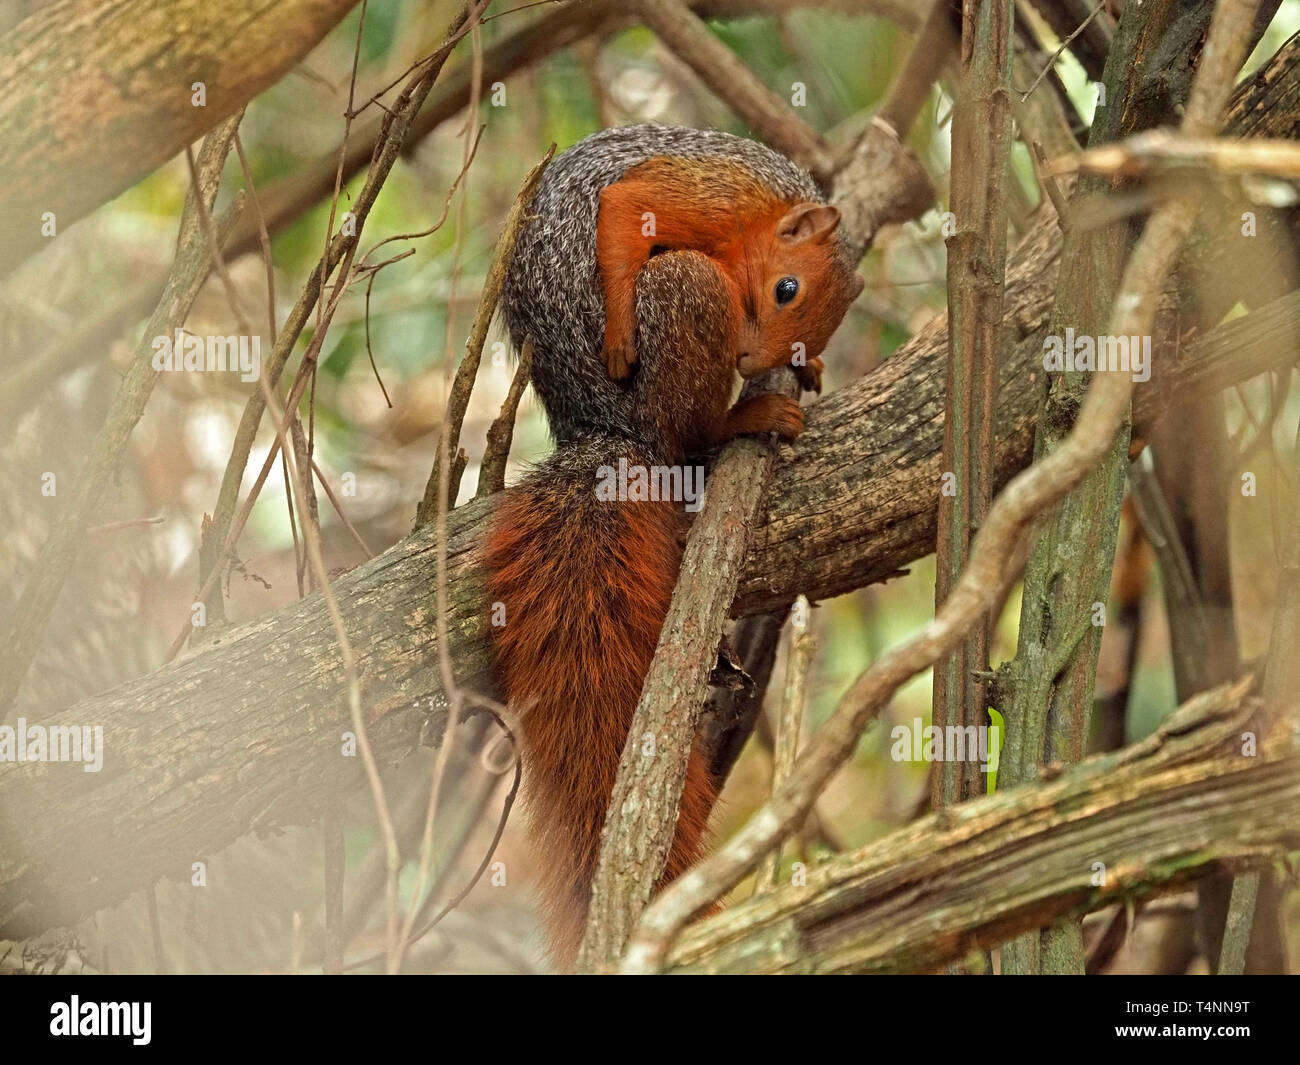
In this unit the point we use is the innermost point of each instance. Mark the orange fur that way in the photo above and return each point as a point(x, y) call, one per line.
point(725, 211)
point(586, 595)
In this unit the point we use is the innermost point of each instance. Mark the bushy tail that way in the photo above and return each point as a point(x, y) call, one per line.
point(585, 585)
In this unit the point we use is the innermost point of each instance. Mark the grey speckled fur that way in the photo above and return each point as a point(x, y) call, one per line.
point(552, 289)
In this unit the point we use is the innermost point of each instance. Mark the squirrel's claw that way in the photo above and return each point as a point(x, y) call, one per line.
point(809, 374)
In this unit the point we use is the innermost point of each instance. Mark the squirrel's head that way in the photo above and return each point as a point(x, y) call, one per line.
point(797, 286)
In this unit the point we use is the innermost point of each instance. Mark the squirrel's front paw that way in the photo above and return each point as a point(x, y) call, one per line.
point(809, 374)
point(620, 356)
point(785, 416)
point(770, 413)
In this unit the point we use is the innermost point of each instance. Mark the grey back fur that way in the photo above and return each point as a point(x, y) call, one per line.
point(552, 289)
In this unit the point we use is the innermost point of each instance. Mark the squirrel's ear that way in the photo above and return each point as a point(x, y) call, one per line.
point(808, 222)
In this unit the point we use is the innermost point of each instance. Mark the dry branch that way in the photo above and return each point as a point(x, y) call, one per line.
point(500, 434)
point(1172, 808)
point(1159, 151)
point(769, 116)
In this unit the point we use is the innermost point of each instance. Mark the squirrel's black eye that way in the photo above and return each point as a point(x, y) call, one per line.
point(786, 290)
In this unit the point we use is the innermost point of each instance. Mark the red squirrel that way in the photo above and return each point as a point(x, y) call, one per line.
point(777, 257)
point(584, 581)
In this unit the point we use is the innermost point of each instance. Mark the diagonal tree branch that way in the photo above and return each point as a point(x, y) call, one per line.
point(93, 104)
point(1118, 828)
point(856, 508)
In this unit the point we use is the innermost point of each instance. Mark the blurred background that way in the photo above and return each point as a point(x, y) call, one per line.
point(69, 319)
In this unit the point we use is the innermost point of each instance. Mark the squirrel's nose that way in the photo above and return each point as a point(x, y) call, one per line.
point(747, 364)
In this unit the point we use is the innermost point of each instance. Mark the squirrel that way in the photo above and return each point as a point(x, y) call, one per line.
point(637, 343)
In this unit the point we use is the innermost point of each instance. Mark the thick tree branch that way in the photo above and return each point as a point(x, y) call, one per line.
point(93, 103)
point(1117, 828)
point(642, 817)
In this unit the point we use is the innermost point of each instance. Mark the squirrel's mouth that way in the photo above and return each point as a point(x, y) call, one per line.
point(748, 364)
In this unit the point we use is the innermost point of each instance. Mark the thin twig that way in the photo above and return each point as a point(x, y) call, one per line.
point(348, 115)
point(126, 523)
point(300, 478)
point(338, 509)
point(245, 328)
point(467, 371)
point(1159, 151)
point(299, 559)
point(503, 719)
point(214, 245)
point(492, 470)
point(373, 269)
point(227, 516)
point(1051, 62)
point(263, 237)
point(454, 696)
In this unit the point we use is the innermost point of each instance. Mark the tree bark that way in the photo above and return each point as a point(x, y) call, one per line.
point(977, 261)
point(1115, 829)
point(99, 93)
